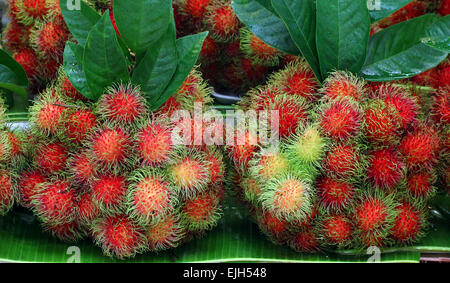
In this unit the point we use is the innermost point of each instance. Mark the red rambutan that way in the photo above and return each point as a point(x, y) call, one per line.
point(343, 85)
point(341, 120)
point(7, 192)
point(386, 168)
point(195, 8)
point(306, 241)
point(334, 194)
point(82, 168)
point(343, 161)
point(118, 236)
point(382, 122)
point(258, 51)
point(201, 212)
point(51, 158)
point(27, 11)
point(48, 113)
point(407, 224)
point(79, 124)
point(109, 193)
point(420, 183)
point(16, 36)
point(444, 8)
point(49, 39)
point(337, 230)
point(210, 48)
point(29, 61)
point(222, 21)
point(87, 210)
point(154, 142)
point(244, 148)
point(441, 106)
point(29, 186)
point(164, 234)
point(276, 228)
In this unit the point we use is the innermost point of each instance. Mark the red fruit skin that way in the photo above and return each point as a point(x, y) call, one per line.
point(421, 146)
point(386, 168)
point(111, 147)
point(444, 75)
point(342, 161)
point(79, 124)
point(334, 194)
point(301, 83)
point(441, 106)
point(29, 185)
point(195, 8)
point(444, 8)
point(381, 124)
point(370, 214)
point(337, 230)
point(109, 192)
point(122, 105)
point(341, 120)
point(51, 158)
point(291, 114)
point(222, 21)
point(16, 36)
point(29, 61)
point(87, 210)
point(427, 78)
point(276, 228)
point(407, 228)
point(82, 168)
point(420, 183)
point(51, 39)
point(155, 144)
point(306, 241)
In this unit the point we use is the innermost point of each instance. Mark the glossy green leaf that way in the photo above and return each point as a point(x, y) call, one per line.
point(397, 52)
point(155, 70)
point(300, 20)
point(103, 61)
point(9, 81)
point(79, 19)
point(342, 34)
point(142, 22)
point(20, 74)
point(188, 50)
point(438, 35)
point(380, 9)
point(260, 17)
point(73, 66)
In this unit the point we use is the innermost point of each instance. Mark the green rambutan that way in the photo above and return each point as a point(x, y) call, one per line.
point(201, 212)
point(421, 146)
point(341, 120)
point(165, 234)
point(268, 165)
point(109, 193)
point(252, 189)
point(287, 197)
point(119, 236)
point(149, 196)
point(335, 194)
point(7, 191)
point(154, 143)
point(51, 158)
point(341, 85)
point(55, 202)
point(386, 168)
point(408, 224)
point(306, 147)
point(121, 105)
point(337, 230)
point(29, 185)
point(296, 79)
point(382, 122)
point(258, 51)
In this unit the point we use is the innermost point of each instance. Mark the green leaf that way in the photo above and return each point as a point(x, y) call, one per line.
point(142, 22)
point(438, 35)
point(188, 50)
point(155, 70)
point(73, 66)
point(103, 61)
point(300, 20)
point(8, 61)
point(79, 21)
point(9, 81)
point(343, 29)
point(260, 17)
point(397, 52)
point(380, 9)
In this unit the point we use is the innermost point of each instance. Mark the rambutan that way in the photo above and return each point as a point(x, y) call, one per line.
point(260, 98)
point(111, 148)
point(119, 236)
point(201, 212)
point(344, 161)
point(210, 49)
point(441, 106)
point(444, 75)
point(334, 194)
point(419, 183)
point(287, 197)
point(49, 39)
point(386, 168)
point(16, 143)
point(5, 147)
point(222, 21)
point(165, 234)
point(306, 241)
point(29, 186)
point(306, 147)
point(48, 114)
point(121, 105)
point(149, 196)
point(87, 210)
point(195, 8)
point(55, 202)
point(82, 168)
point(258, 51)
point(189, 172)
point(427, 78)
point(245, 147)
point(29, 61)
point(27, 11)
point(109, 193)
point(408, 224)
point(269, 165)
point(7, 191)
point(51, 158)
point(341, 120)
point(79, 124)
point(405, 105)
point(66, 87)
point(421, 146)
point(16, 36)
point(252, 189)
point(214, 158)
point(337, 230)
point(340, 85)
point(154, 142)
point(274, 227)
point(444, 8)
point(296, 79)
point(68, 232)
point(382, 122)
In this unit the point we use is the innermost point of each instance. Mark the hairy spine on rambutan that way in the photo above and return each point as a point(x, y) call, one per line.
point(109, 193)
point(82, 169)
point(27, 11)
point(336, 230)
point(16, 36)
point(296, 79)
point(257, 50)
point(268, 164)
point(201, 212)
point(29, 185)
point(48, 114)
point(335, 195)
point(386, 168)
point(50, 157)
point(48, 39)
point(216, 166)
point(288, 197)
point(79, 124)
point(252, 189)
point(244, 148)
point(306, 241)
point(29, 61)
point(194, 8)
point(150, 197)
point(154, 143)
point(87, 210)
point(420, 183)
point(165, 234)
point(221, 21)
point(119, 236)
point(277, 229)
point(343, 85)
point(382, 122)
point(122, 105)
point(69, 232)
point(345, 161)
point(5, 147)
point(409, 224)
point(55, 203)
point(441, 106)
point(7, 191)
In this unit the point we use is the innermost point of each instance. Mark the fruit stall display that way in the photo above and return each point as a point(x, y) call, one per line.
point(362, 160)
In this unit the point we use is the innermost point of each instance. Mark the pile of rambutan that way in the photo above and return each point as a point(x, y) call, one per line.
point(356, 165)
point(233, 58)
point(113, 171)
